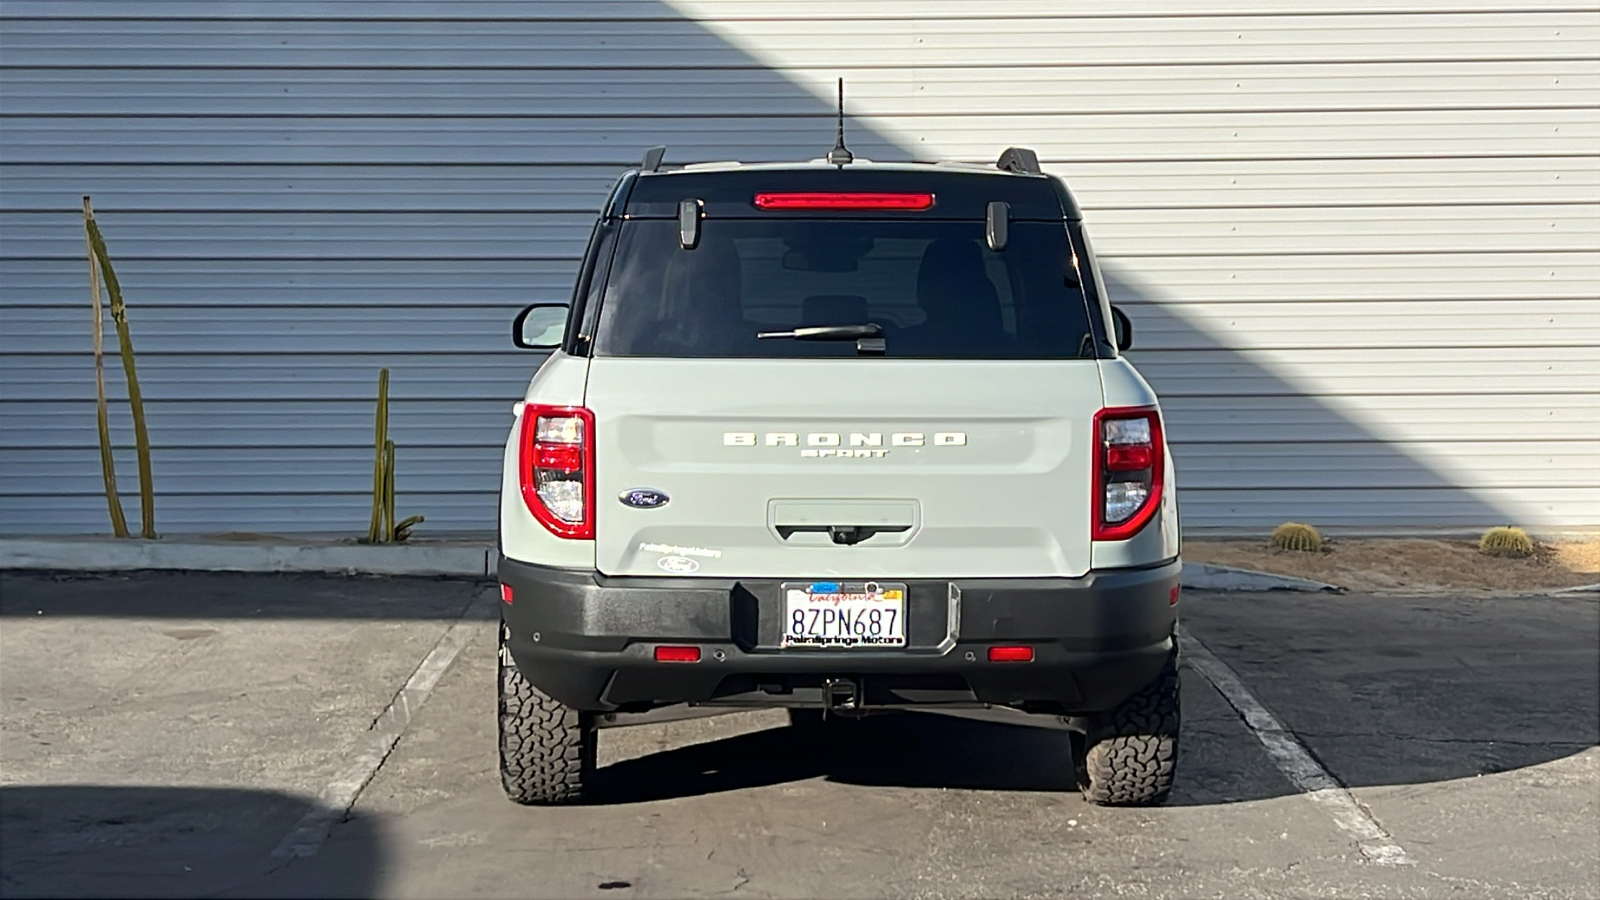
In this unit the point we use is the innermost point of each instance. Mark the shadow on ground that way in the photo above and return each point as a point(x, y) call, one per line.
point(1385, 691)
point(923, 750)
point(233, 595)
point(122, 841)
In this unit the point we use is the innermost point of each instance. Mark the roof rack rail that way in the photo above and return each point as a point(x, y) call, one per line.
point(652, 159)
point(1019, 159)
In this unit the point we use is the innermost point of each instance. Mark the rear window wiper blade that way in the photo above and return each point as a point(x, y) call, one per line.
point(827, 333)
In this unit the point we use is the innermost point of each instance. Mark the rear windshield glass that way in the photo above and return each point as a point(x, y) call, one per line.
point(934, 288)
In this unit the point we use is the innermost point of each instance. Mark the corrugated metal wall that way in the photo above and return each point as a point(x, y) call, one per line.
point(1360, 241)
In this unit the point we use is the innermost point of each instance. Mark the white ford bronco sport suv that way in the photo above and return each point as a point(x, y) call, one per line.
point(839, 438)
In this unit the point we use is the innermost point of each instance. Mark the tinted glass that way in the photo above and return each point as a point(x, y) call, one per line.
point(934, 288)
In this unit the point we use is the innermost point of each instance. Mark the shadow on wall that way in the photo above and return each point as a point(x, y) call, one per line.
point(104, 841)
point(273, 185)
point(1252, 450)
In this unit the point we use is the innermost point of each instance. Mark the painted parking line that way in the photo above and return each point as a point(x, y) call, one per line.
point(340, 794)
point(1293, 759)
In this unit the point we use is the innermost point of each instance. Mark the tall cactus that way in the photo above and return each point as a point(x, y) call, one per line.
point(141, 435)
point(380, 435)
point(388, 490)
point(383, 529)
point(108, 463)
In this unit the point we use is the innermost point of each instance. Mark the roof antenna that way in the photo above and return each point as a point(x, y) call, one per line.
point(840, 155)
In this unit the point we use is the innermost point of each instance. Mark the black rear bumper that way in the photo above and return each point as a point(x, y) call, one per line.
point(589, 641)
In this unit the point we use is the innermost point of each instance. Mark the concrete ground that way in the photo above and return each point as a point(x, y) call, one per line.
point(163, 734)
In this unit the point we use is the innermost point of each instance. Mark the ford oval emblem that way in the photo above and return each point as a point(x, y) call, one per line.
point(643, 498)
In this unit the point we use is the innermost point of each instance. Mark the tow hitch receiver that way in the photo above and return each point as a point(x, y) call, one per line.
point(841, 696)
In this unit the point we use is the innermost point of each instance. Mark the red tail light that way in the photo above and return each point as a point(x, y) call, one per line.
point(843, 200)
point(1128, 468)
point(556, 467)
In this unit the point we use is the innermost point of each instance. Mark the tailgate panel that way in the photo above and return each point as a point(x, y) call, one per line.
point(953, 468)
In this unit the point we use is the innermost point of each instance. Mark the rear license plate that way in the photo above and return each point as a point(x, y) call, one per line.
point(844, 614)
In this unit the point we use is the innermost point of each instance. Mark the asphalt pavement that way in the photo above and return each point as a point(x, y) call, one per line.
point(248, 735)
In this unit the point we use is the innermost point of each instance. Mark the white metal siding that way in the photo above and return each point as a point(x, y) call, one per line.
point(1360, 241)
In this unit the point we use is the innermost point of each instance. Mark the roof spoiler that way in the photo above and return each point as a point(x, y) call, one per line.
point(1019, 159)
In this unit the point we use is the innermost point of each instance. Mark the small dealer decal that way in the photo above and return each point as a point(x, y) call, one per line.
point(678, 565)
point(679, 560)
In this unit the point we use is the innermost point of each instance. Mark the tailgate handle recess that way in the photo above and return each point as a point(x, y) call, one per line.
point(844, 522)
point(843, 534)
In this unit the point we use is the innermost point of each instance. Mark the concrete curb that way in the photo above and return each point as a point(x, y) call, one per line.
point(1580, 589)
point(1208, 577)
point(465, 559)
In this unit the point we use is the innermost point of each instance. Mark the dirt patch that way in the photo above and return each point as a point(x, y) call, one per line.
point(1410, 565)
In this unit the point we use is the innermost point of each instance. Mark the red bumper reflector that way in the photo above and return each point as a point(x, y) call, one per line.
point(1010, 654)
point(1172, 600)
point(677, 654)
point(505, 592)
point(842, 200)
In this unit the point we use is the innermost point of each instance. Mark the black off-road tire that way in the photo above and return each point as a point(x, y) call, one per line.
point(547, 749)
point(1129, 755)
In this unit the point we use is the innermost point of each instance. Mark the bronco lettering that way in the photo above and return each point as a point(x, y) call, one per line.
point(831, 439)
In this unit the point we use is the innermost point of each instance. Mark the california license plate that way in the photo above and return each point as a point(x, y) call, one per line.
point(844, 614)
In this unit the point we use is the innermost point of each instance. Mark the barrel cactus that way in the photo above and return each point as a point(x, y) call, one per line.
point(1296, 536)
point(1507, 542)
